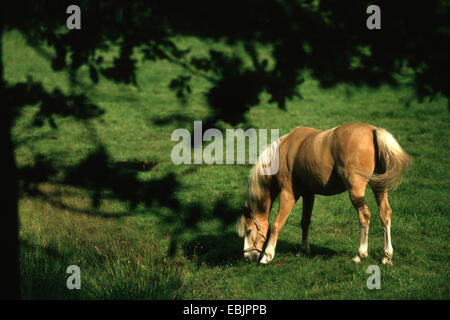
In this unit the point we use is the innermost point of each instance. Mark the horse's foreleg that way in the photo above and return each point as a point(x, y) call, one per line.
point(287, 201)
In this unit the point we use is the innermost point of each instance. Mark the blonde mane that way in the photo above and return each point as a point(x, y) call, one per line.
point(258, 181)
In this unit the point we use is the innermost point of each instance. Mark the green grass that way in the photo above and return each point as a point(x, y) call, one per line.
point(125, 255)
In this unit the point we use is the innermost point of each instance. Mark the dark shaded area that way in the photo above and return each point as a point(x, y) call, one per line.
point(98, 174)
point(51, 104)
point(29, 176)
point(189, 216)
point(176, 119)
point(215, 249)
point(146, 165)
point(326, 38)
point(103, 179)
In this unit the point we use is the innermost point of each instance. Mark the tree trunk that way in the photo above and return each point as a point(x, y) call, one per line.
point(9, 263)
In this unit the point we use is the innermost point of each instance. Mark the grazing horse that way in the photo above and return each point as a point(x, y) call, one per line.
point(311, 161)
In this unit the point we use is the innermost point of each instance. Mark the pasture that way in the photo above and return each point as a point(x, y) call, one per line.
point(140, 250)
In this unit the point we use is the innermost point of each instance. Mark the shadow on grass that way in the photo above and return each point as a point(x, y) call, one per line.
point(213, 250)
point(98, 177)
point(102, 179)
point(315, 250)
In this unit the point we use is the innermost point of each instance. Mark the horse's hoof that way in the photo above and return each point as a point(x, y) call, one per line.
point(266, 258)
point(387, 261)
point(356, 259)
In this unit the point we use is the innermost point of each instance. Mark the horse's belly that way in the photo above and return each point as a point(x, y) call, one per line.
point(327, 185)
point(331, 190)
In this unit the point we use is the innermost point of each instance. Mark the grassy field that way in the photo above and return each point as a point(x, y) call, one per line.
point(123, 254)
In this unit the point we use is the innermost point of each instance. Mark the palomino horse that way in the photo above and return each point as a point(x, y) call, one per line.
point(345, 158)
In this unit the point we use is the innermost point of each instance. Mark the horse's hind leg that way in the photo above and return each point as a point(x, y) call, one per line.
point(357, 187)
point(385, 217)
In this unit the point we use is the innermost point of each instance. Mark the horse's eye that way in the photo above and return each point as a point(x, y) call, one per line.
point(248, 231)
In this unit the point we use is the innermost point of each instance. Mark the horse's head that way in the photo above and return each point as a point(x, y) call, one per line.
point(254, 232)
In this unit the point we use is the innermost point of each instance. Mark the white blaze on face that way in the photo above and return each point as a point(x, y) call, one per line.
point(246, 245)
point(250, 255)
point(247, 254)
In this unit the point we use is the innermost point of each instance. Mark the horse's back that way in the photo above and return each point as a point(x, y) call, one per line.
point(322, 159)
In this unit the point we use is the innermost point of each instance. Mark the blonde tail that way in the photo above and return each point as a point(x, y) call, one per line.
point(391, 162)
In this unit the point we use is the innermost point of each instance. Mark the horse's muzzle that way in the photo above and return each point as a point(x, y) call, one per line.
point(251, 256)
